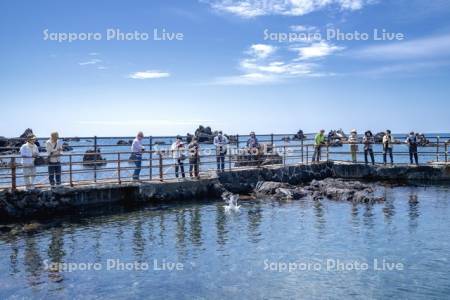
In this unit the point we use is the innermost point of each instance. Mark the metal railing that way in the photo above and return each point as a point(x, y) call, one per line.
point(115, 166)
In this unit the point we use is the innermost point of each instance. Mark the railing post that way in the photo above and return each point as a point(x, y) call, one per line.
point(446, 152)
point(70, 170)
point(161, 176)
point(95, 159)
point(13, 174)
point(237, 141)
point(284, 155)
point(150, 162)
point(437, 149)
point(302, 149)
point(229, 160)
point(118, 168)
point(271, 139)
point(307, 153)
point(328, 152)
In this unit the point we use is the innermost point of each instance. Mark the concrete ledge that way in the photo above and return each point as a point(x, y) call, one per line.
point(45, 203)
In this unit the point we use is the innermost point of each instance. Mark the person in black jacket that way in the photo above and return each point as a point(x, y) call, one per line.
point(411, 140)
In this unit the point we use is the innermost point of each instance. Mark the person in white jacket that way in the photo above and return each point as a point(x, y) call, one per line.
point(388, 143)
point(54, 150)
point(29, 151)
point(178, 155)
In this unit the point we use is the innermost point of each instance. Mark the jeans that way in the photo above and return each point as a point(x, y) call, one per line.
point(220, 157)
point(372, 157)
point(137, 170)
point(413, 154)
point(385, 152)
point(193, 166)
point(54, 173)
point(179, 166)
point(317, 153)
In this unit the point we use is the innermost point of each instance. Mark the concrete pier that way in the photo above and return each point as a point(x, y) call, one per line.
point(21, 205)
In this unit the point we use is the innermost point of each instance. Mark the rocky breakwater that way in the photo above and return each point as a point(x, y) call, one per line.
point(44, 203)
point(396, 173)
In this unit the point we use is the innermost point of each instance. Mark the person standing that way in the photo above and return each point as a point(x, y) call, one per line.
point(177, 149)
point(220, 141)
point(353, 141)
point(194, 158)
point(136, 154)
point(29, 151)
point(54, 149)
point(368, 141)
point(319, 141)
point(388, 143)
point(411, 140)
point(253, 146)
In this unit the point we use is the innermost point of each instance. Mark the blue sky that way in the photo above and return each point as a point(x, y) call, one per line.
point(224, 72)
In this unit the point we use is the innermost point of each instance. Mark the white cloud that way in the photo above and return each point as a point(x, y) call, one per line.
point(303, 28)
point(261, 50)
point(153, 74)
point(255, 8)
point(262, 67)
point(94, 54)
point(430, 47)
point(90, 62)
point(316, 50)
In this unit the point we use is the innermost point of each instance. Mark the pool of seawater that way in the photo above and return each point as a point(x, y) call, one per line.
point(331, 248)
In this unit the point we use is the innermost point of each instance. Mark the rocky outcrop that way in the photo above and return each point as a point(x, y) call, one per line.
point(342, 190)
point(93, 158)
point(279, 190)
point(124, 143)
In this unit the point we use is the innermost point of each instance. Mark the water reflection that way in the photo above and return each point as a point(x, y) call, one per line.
point(200, 232)
point(254, 221)
point(319, 213)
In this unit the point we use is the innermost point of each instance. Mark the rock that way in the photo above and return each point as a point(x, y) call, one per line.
point(266, 188)
point(74, 139)
point(342, 190)
point(159, 142)
point(299, 135)
point(66, 147)
point(31, 228)
point(92, 158)
point(379, 137)
point(123, 142)
point(26, 133)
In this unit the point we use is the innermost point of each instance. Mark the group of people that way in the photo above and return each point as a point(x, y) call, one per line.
point(30, 152)
point(368, 141)
point(54, 148)
point(179, 149)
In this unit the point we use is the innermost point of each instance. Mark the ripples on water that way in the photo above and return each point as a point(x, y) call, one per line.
point(224, 254)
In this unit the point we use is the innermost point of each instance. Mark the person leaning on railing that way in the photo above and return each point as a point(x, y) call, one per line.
point(353, 141)
point(178, 155)
point(388, 144)
point(319, 141)
point(220, 141)
point(411, 140)
point(54, 149)
point(29, 151)
point(368, 141)
point(194, 157)
point(136, 154)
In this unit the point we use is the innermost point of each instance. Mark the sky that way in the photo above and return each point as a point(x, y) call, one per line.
point(271, 66)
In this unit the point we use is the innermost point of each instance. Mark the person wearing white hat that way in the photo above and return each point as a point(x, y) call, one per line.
point(29, 151)
point(353, 141)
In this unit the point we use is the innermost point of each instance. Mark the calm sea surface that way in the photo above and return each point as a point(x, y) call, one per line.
point(241, 255)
